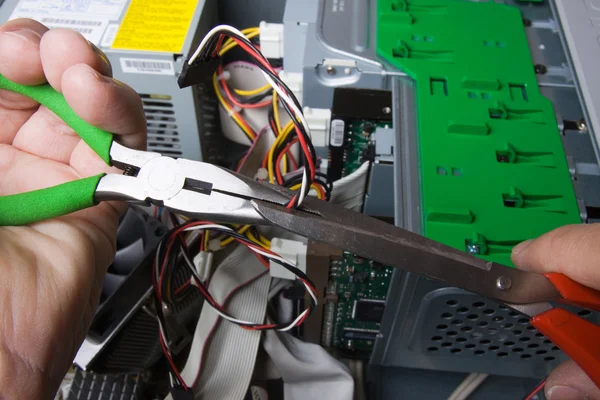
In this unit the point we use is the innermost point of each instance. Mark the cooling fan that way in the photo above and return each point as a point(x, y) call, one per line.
point(124, 311)
point(133, 238)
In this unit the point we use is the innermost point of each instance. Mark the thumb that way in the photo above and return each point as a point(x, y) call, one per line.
point(573, 250)
point(569, 382)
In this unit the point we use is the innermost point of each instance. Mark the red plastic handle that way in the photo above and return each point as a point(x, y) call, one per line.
point(575, 336)
point(575, 293)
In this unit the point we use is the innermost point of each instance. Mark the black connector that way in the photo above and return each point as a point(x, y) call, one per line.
point(179, 393)
point(197, 72)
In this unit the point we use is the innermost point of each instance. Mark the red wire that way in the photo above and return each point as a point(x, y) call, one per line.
point(259, 57)
point(233, 100)
point(278, 163)
point(173, 366)
point(536, 390)
point(311, 164)
point(241, 121)
point(319, 189)
point(218, 46)
point(182, 287)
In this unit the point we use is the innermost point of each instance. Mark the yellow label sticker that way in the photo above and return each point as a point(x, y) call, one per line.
point(155, 25)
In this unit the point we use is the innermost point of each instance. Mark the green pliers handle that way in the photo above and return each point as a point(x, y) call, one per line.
point(25, 208)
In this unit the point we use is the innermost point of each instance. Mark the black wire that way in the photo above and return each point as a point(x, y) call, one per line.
point(177, 241)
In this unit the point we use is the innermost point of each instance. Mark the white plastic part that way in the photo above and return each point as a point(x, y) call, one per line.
point(271, 39)
point(319, 122)
point(294, 81)
point(214, 244)
point(293, 251)
point(203, 263)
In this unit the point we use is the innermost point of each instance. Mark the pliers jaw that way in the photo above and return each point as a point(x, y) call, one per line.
point(191, 188)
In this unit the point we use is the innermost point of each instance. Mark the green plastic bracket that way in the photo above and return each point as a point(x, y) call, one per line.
point(98, 139)
point(484, 127)
point(52, 202)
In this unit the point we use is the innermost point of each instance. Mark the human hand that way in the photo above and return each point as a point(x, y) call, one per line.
point(573, 251)
point(52, 271)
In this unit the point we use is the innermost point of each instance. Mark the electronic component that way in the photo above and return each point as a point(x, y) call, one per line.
point(358, 117)
point(368, 310)
point(355, 300)
point(292, 250)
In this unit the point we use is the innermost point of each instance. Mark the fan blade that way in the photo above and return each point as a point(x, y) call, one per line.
point(127, 258)
point(111, 283)
point(130, 229)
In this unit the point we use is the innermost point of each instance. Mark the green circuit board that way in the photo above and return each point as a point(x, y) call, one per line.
point(359, 144)
point(360, 288)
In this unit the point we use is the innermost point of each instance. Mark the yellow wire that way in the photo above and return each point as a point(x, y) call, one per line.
point(230, 110)
point(278, 126)
point(230, 44)
point(264, 240)
point(259, 241)
point(276, 113)
point(313, 186)
point(286, 131)
point(230, 239)
point(252, 92)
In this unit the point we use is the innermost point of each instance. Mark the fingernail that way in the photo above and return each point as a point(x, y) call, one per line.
point(521, 246)
point(100, 53)
point(97, 75)
point(564, 393)
point(28, 35)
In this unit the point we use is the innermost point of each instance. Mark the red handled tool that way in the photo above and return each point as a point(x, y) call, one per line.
point(527, 292)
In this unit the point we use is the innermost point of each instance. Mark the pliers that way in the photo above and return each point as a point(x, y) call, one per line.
point(204, 191)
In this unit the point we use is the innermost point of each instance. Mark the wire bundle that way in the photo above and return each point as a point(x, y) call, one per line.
point(211, 47)
point(166, 263)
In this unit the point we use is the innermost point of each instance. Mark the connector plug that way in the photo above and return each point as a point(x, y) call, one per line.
point(197, 72)
point(291, 250)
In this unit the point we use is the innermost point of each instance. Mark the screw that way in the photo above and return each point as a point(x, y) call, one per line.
point(347, 71)
point(503, 283)
point(581, 125)
point(331, 70)
point(473, 249)
point(386, 110)
point(540, 69)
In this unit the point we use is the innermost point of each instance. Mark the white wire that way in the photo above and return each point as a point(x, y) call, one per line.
point(280, 91)
point(471, 387)
point(212, 33)
point(303, 187)
point(283, 260)
point(293, 324)
point(467, 386)
point(256, 250)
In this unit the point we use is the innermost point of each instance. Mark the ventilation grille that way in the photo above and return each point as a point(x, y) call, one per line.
point(469, 326)
point(136, 347)
point(87, 385)
point(163, 134)
point(207, 109)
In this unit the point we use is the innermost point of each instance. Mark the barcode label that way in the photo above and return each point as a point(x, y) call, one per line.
point(337, 133)
point(91, 28)
point(147, 66)
point(64, 21)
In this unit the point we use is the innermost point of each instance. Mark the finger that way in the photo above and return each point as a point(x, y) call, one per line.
point(46, 135)
point(569, 382)
point(106, 103)
point(60, 49)
point(20, 62)
point(20, 51)
point(573, 250)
